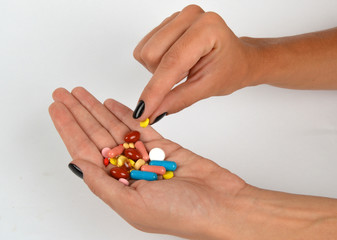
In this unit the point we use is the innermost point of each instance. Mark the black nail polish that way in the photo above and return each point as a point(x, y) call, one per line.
point(139, 109)
point(159, 117)
point(76, 170)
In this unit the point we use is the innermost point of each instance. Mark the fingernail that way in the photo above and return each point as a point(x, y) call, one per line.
point(139, 109)
point(76, 170)
point(159, 117)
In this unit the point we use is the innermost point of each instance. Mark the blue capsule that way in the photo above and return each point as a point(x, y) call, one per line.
point(168, 165)
point(142, 175)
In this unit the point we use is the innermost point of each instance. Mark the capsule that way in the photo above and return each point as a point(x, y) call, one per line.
point(141, 175)
point(156, 169)
point(141, 148)
point(168, 165)
point(116, 151)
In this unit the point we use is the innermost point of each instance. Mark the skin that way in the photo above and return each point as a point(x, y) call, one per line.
point(212, 204)
point(200, 47)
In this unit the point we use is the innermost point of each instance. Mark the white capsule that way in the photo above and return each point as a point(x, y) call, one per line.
point(157, 154)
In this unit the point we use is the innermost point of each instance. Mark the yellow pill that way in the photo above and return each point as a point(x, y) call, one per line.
point(113, 161)
point(132, 163)
point(126, 145)
point(139, 163)
point(168, 175)
point(144, 123)
point(131, 145)
point(121, 160)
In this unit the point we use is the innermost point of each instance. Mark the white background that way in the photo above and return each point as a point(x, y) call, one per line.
point(273, 138)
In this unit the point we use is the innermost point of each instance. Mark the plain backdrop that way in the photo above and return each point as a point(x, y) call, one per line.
point(278, 139)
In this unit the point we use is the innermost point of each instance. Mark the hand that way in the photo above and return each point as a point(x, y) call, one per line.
point(202, 201)
point(196, 45)
point(187, 205)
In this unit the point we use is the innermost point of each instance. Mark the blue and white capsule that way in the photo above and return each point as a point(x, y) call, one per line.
point(168, 165)
point(142, 175)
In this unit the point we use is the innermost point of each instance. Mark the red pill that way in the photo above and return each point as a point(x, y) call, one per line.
point(118, 173)
point(132, 153)
point(116, 151)
point(132, 137)
point(106, 161)
point(126, 166)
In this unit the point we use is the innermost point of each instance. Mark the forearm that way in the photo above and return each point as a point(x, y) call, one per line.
point(262, 214)
point(307, 61)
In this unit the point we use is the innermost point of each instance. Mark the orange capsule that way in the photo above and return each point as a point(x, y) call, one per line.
point(155, 169)
point(116, 151)
point(141, 148)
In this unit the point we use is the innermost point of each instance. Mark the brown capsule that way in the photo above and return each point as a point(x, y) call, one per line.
point(132, 137)
point(132, 153)
point(118, 173)
point(126, 166)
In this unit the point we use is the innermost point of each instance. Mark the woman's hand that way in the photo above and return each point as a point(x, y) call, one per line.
point(197, 45)
point(202, 201)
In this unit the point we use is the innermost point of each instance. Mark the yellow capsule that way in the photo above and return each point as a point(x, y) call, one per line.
point(121, 160)
point(144, 123)
point(139, 163)
point(132, 163)
point(168, 175)
point(113, 161)
point(131, 145)
point(126, 145)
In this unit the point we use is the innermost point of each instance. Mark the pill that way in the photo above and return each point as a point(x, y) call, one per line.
point(131, 145)
point(168, 165)
point(118, 173)
point(106, 161)
point(141, 148)
point(126, 145)
point(132, 153)
point(132, 163)
point(105, 152)
point(142, 175)
point(126, 165)
point(156, 169)
point(144, 123)
point(139, 163)
point(157, 154)
point(113, 161)
point(132, 136)
point(124, 181)
point(168, 175)
point(116, 151)
point(120, 160)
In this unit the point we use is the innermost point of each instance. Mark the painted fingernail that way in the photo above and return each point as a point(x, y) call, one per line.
point(159, 117)
point(139, 109)
point(76, 170)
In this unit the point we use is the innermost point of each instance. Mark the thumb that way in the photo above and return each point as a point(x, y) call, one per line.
point(111, 191)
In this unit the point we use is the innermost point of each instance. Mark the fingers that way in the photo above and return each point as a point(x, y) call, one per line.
point(76, 140)
point(152, 48)
point(98, 134)
point(183, 55)
point(124, 114)
point(115, 127)
point(112, 192)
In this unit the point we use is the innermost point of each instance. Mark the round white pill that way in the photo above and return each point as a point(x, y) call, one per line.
point(157, 154)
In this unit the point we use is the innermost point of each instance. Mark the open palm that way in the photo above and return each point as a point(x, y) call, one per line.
point(187, 205)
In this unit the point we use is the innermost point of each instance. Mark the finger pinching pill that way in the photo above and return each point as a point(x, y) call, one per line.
point(132, 136)
point(156, 169)
point(168, 175)
point(142, 175)
point(116, 151)
point(141, 148)
point(105, 151)
point(124, 181)
point(157, 154)
point(144, 123)
point(168, 165)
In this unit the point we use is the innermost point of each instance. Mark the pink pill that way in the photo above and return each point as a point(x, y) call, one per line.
point(155, 169)
point(141, 148)
point(116, 151)
point(105, 152)
point(124, 181)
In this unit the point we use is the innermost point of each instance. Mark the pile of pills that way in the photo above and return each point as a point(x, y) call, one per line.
point(132, 161)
